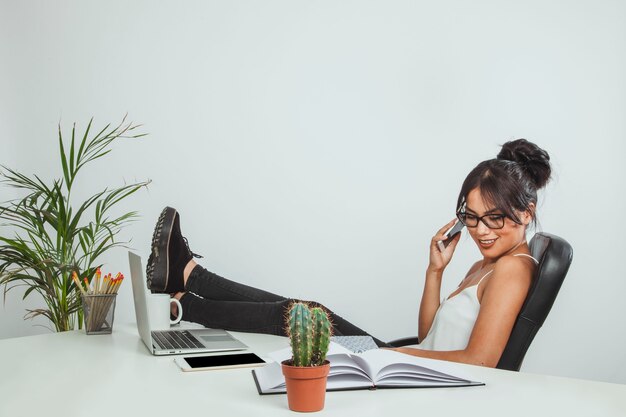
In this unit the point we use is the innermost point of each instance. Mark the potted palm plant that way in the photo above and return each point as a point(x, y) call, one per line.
point(309, 331)
point(46, 236)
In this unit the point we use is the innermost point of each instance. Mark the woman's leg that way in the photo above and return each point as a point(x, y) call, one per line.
point(238, 307)
point(212, 300)
point(241, 316)
point(255, 316)
point(209, 285)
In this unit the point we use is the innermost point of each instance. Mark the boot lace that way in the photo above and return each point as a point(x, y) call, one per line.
point(195, 255)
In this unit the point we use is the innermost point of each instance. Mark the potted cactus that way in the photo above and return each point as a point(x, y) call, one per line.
point(309, 331)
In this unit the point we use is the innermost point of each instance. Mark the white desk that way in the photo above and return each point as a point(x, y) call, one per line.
point(72, 374)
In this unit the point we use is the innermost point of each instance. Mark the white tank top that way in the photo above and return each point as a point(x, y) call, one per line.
point(455, 319)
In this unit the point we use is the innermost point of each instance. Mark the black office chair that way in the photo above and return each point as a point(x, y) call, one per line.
point(555, 256)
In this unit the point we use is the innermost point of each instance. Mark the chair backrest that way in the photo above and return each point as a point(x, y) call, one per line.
point(555, 256)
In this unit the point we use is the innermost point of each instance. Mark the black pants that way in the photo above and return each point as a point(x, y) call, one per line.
point(220, 303)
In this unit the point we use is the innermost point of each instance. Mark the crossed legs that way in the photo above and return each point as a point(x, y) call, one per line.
point(212, 300)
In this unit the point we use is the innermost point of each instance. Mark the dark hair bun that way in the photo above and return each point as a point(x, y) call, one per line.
point(534, 161)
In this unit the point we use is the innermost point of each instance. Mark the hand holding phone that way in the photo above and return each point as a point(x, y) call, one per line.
point(450, 234)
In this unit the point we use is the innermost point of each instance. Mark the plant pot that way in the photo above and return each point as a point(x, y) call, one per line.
point(306, 386)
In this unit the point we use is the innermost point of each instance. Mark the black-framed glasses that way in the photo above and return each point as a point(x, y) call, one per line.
point(492, 221)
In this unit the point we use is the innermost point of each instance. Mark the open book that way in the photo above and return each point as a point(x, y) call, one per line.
point(379, 368)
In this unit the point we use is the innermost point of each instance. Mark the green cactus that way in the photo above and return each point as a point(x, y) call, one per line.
point(309, 331)
point(322, 330)
point(300, 325)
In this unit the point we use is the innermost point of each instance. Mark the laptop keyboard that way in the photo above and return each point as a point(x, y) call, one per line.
point(176, 340)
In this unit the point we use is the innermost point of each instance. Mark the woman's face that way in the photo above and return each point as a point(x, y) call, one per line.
point(493, 243)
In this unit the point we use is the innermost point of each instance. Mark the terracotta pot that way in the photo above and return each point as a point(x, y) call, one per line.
point(306, 386)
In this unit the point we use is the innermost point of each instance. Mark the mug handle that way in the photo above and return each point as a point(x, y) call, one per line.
point(180, 311)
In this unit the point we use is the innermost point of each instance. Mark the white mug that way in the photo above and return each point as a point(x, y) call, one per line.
point(159, 311)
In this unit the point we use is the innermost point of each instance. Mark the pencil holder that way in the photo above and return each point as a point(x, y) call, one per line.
point(98, 311)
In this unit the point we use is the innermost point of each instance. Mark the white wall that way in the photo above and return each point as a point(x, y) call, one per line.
point(313, 148)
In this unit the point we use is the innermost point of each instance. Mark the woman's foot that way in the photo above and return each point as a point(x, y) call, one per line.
point(169, 255)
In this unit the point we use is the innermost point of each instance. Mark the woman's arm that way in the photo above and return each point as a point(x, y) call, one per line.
point(430, 302)
point(502, 299)
point(432, 284)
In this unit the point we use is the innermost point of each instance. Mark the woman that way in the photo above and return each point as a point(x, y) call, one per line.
point(497, 203)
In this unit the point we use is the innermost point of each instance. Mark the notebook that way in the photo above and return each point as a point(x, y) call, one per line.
point(372, 369)
point(171, 342)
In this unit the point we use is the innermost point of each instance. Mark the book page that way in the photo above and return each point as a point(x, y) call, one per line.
point(342, 363)
point(270, 378)
point(385, 365)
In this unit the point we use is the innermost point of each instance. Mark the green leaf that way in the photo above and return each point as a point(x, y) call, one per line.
point(84, 140)
point(66, 171)
point(72, 151)
point(28, 291)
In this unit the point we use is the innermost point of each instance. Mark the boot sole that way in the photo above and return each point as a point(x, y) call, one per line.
point(158, 265)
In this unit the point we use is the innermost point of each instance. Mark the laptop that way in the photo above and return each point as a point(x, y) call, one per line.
point(171, 342)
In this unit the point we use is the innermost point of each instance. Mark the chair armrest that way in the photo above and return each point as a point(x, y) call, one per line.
point(405, 341)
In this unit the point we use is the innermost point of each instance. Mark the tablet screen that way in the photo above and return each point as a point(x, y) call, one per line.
point(222, 360)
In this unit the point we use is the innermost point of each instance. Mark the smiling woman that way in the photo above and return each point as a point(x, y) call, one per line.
point(497, 204)
point(494, 233)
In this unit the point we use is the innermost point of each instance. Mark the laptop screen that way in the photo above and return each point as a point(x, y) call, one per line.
point(139, 297)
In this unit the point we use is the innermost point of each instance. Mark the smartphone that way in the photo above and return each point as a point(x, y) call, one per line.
point(209, 362)
point(455, 230)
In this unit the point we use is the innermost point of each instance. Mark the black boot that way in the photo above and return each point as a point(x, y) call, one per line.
point(169, 255)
